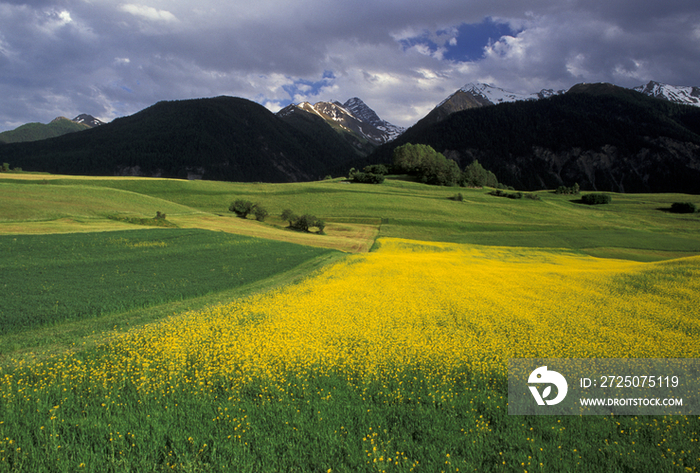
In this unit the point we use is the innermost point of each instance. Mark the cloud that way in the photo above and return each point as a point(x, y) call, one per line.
point(148, 13)
point(111, 58)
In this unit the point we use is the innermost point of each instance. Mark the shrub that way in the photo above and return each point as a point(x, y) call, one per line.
point(376, 169)
point(367, 178)
point(5, 167)
point(241, 207)
point(160, 216)
point(306, 221)
point(513, 195)
point(572, 190)
point(458, 197)
point(596, 199)
point(683, 208)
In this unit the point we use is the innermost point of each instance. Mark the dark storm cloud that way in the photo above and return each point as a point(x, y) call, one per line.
point(112, 58)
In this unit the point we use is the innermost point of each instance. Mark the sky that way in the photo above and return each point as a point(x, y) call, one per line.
point(113, 58)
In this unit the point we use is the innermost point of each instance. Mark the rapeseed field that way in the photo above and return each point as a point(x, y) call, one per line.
point(393, 360)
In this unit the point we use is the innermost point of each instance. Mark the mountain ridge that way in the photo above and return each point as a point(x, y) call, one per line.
point(480, 94)
point(228, 138)
point(353, 116)
point(40, 131)
point(220, 138)
point(88, 120)
point(604, 137)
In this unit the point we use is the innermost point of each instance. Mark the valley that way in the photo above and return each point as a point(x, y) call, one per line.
point(145, 327)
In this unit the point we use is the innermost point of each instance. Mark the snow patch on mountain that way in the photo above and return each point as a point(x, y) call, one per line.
point(496, 95)
point(88, 120)
point(353, 116)
point(361, 111)
point(673, 93)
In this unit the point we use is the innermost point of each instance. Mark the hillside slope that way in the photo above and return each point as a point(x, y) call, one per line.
point(601, 136)
point(222, 138)
point(39, 131)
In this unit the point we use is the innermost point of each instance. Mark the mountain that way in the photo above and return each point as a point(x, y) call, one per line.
point(672, 93)
point(353, 117)
point(495, 95)
point(39, 131)
point(604, 137)
point(88, 120)
point(475, 95)
point(360, 110)
point(222, 138)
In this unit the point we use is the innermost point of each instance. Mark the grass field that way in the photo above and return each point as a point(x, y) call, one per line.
point(392, 360)
point(49, 279)
point(634, 227)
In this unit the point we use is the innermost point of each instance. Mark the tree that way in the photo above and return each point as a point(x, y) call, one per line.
point(408, 158)
point(306, 221)
point(430, 166)
point(241, 207)
point(289, 216)
point(260, 212)
point(475, 175)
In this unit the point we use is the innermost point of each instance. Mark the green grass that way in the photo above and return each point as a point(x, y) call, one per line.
point(49, 279)
point(638, 224)
point(20, 202)
point(325, 424)
point(69, 293)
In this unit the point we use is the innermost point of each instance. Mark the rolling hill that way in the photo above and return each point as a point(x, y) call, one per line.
point(39, 131)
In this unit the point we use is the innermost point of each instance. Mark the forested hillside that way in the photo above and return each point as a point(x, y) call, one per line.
point(221, 138)
point(601, 136)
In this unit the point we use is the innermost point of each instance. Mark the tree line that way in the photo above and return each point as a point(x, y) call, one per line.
point(304, 223)
point(432, 167)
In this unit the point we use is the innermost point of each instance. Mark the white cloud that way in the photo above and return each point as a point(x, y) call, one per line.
point(148, 13)
point(275, 51)
point(576, 66)
point(64, 17)
point(272, 106)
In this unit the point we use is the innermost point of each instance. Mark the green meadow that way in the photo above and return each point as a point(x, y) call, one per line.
point(81, 267)
point(635, 226)
point(50, 279)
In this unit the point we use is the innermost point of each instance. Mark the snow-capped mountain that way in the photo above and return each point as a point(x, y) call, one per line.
point(353, 117)
point(495, 95)
point(88, 120)
point(673, 93)
point(475, 95)
point(360, 110)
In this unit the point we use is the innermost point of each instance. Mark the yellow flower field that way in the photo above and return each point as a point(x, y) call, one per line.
point(434, 305)
point(415, 335)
